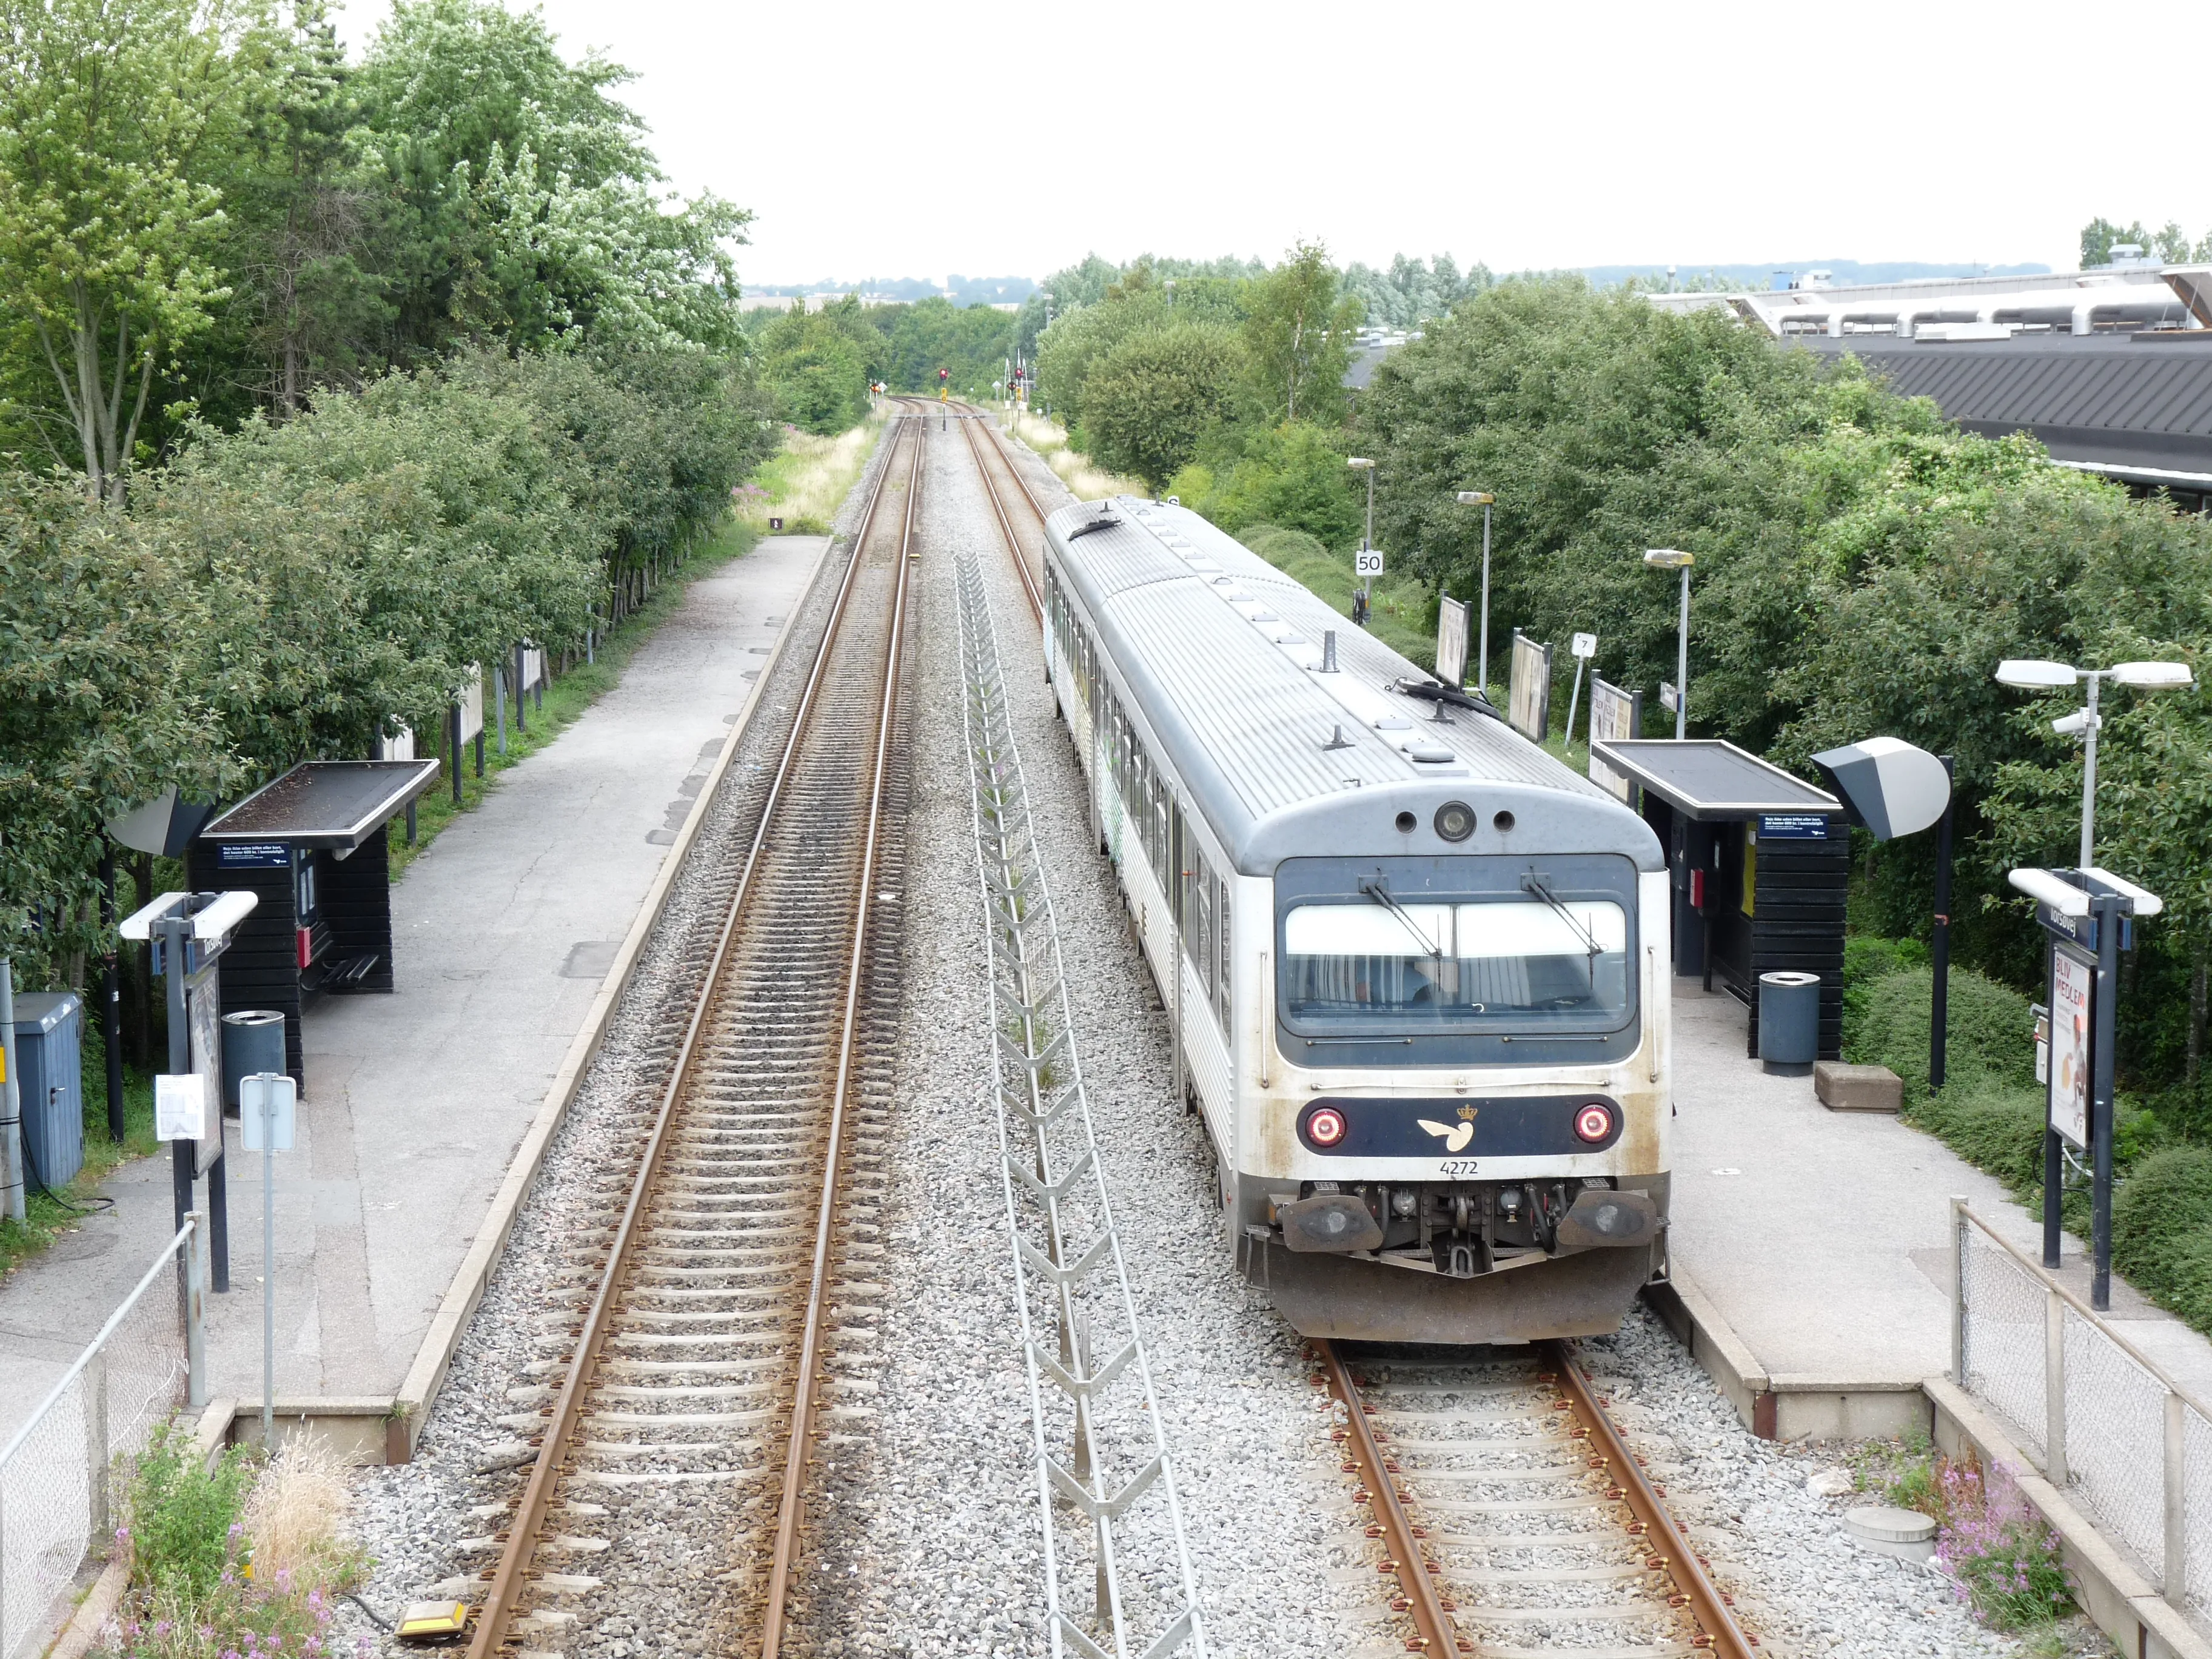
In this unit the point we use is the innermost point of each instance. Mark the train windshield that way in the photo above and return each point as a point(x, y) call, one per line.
point(1530, 961)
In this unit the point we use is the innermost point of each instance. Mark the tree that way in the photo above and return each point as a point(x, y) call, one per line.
point(526, 203)
point(113, 115)
point(1298, 333)
point(102, 704)
point(1152, 397)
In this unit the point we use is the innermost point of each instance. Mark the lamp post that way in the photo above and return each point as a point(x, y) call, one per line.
point(1483, 499)
point(2036, 674)
point(1672, 558)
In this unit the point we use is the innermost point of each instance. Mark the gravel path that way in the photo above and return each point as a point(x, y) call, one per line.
point(938, 1531)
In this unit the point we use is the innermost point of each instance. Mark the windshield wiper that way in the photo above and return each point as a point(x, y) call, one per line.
point(1533, 882)
point(1377, 889)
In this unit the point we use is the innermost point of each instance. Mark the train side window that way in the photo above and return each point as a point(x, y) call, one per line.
point(1222, 975)
point(1202, 934)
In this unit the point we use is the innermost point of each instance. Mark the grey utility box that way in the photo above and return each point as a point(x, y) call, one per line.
point(50, 1077)
point(1788, 1022)
point(252, 1043)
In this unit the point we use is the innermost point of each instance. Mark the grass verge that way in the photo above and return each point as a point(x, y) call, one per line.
point(241, 1559)
point(566, 697)
point(1400, 614)
point(805, 482)
point(1087, 481)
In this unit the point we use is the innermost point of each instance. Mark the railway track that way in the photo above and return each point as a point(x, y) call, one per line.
point(1513, 1517)
point(1021, 518)
point(735, 1286)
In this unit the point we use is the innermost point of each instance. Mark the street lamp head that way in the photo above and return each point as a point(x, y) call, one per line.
point(1475, 498)
point(1668, 558)
point(2151, 676)
point(1360, 464)
point(2034, 674)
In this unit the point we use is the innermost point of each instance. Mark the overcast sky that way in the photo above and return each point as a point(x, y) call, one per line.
point(994, 138)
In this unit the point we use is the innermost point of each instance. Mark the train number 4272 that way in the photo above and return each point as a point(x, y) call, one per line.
point(1456, 1169)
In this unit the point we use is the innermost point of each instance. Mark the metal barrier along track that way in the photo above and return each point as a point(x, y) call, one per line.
point(1106, 1484)
point(704, 1359)
point(1515, 1519)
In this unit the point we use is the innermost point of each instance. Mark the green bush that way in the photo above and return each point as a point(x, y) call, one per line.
point(1992, 1039)
point(2162, 1231)
point(182, 1515)
point(1990, 1109)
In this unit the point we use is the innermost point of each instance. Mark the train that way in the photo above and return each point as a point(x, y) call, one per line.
point(1414, 967)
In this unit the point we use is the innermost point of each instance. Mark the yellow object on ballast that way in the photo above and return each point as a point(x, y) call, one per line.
point(427, 1621)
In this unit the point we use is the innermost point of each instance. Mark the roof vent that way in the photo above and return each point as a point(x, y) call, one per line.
point(1337, 740)
point(1329, 651)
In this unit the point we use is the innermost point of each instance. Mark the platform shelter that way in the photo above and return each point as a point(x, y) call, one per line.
point(1760, 863)
point(312, 844)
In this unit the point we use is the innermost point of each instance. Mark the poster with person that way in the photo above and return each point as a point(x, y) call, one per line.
point(2072, 988)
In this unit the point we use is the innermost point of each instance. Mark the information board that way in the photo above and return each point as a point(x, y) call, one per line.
point(1451, 640)
point(1615, 715)
point(2073, 996)
point(1529, 702)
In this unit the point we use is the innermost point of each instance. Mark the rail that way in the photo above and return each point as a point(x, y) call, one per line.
point(60, 1472)
point(1030, 591)
point(2107, 1423)
point(1594, 1470)
point(502, 1605)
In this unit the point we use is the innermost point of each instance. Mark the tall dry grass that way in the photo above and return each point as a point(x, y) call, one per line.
point(1088, 482)
point(291, 1515)
point(805, 482)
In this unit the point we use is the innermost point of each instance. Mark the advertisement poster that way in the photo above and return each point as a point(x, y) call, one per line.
point(1528, 701)
point(2071, 983)
point(1451, 642)
point(1614, 714)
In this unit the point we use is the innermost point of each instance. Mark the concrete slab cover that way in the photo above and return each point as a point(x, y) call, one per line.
point(415, 1102)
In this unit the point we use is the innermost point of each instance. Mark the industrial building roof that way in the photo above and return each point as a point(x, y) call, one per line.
point(2134, 406)
point(2111, 369)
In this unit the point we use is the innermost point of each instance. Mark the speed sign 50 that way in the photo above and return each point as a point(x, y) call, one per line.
point(1367, 561)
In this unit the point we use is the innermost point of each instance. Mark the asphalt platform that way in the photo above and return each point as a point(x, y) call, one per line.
point(1821, 1238)
point(414, 1103)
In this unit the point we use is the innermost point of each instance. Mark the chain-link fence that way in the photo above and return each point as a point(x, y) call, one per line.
point(63, 1475)
point(2102, 1422)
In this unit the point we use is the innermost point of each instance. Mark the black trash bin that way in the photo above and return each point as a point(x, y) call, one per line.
point(1788, 1022)
point(252, 1041)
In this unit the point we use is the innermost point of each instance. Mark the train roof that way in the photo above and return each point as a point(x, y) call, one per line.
point(1224, 652)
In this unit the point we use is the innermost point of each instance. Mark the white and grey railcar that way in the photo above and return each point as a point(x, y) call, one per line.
point(1412, 963)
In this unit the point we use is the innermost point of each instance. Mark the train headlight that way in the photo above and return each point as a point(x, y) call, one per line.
point(1593, 1122)
point(1326, 1125)
point(1454, 820)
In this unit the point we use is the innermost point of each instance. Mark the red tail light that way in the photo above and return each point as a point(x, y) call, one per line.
point(1326, 1127)
point(1593, 1122)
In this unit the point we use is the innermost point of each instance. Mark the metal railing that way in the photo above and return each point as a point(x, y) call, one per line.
point(1106, 1482)
point(2107, 1426)
point(64, 1472)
